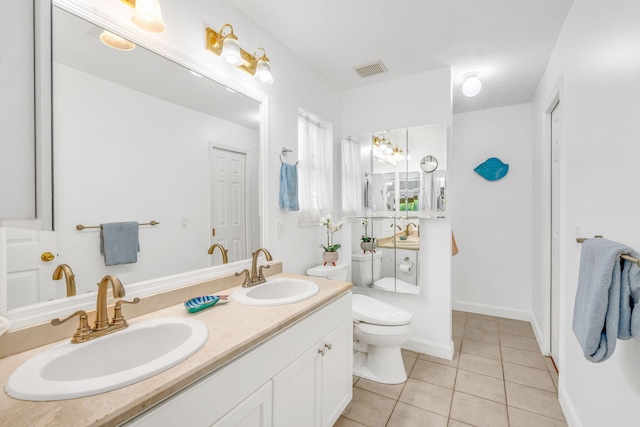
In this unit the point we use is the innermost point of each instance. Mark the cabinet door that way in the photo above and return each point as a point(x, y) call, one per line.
point(336, 372)
point(296, 392)
point(254, 411)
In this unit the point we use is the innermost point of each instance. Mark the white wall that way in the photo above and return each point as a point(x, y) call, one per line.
point(114, 166)
point(492, 221)
point(596, 56)
point(416, 100)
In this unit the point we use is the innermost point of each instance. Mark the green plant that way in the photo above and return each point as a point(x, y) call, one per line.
point(365, 236)
point(332, 227)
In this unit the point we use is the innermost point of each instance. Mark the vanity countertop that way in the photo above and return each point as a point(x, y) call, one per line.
point(233, 329)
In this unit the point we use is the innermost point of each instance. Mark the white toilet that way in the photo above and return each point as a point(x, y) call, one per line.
point(366, 268)
point(379, 329)
point(339, 272)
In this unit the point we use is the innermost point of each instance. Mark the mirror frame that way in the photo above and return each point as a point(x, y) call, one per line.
point(43, 312)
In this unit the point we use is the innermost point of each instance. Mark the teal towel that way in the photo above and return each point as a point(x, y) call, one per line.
point(119, 242)
point(602, 311)
point(289, 187)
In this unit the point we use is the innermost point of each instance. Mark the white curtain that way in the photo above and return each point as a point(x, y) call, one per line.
point(352, 187)
point(315, 189)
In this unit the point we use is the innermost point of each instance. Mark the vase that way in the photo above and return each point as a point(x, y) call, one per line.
point(330, 257)
point(368, 246)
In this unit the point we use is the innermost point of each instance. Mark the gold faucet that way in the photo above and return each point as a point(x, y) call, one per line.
point(69, 277)
point(256, 276)
point(224, 252)
point(407, 230)
point(102, 325)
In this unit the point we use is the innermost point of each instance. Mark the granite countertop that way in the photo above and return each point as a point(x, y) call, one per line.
point(233, 329)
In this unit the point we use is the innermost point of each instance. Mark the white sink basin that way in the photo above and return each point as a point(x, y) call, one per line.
point(116, 360)
point(278, 291)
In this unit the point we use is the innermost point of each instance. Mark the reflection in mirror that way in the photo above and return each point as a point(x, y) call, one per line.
point(428, 164)
point(389, 176)
point(392, 263)
point(388, 183)
point(138, 138)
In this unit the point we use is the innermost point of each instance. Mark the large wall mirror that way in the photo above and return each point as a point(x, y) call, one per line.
point(391, 180)
point(138, 137)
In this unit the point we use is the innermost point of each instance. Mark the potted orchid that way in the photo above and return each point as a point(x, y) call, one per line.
point(368, 243)
point(330, 255)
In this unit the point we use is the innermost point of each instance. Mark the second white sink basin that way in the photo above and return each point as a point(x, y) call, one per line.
point(122, 358)
point(277, 291)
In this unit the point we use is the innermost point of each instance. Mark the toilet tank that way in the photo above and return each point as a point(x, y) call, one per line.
point(365, 268)
point(337, 272)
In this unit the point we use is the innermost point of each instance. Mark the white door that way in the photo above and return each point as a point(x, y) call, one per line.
point(28, 272)
point(556, 123)
point(337, 372)
point(228, 202)
point(254, 411)
point(296, 392)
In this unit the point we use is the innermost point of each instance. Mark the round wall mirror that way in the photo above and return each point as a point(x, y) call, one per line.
point(429, 164)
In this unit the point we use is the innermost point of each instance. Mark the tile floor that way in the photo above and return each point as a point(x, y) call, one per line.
point(497, 378)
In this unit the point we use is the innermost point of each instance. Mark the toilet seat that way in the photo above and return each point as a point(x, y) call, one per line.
point(368, 328)
point(374, 312)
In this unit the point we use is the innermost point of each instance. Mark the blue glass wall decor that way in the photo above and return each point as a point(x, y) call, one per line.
point(492, 169)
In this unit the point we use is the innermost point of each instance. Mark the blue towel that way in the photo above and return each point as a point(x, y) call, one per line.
point(630, 299)
point(598, 309)
point(119, 242)
point(289, 187)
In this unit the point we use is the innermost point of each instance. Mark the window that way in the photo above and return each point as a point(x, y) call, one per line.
point(315, 183)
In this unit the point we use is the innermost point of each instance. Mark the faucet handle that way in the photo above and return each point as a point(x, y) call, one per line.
point(118, 318)
point(247, 277)
point(83, 333)
point(261, 278)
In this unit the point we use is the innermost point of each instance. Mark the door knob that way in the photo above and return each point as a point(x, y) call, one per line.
point(47, 257)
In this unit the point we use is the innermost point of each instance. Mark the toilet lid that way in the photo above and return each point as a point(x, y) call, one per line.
point(376, 312)
point(327, 270)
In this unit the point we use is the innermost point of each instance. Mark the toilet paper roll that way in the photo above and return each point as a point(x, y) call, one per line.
point(405, 268)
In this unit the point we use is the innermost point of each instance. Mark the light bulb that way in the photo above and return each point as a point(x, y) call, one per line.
point(231, 50)
point(263, 71)
point(472, 84)
point(148, 16)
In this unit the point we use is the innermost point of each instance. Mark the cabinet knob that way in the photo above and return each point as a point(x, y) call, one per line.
point(321, 351)
point(327, 346)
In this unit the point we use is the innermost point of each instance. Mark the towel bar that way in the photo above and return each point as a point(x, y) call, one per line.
point(82, 227)
point(623, 256)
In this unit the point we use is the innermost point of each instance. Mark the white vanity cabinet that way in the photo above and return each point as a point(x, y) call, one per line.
point(316, 387)
point(301, 376)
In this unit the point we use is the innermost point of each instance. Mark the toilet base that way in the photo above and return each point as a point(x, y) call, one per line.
point(380, 364)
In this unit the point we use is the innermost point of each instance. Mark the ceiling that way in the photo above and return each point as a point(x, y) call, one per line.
point(507, 41)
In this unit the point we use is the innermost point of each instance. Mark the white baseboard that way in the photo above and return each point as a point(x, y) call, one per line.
point(492, 310)
point(430, 348)
point(567, 407)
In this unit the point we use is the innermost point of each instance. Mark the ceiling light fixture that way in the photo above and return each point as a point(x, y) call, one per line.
point(472, 84)
point(228, 47)
point(116, 42)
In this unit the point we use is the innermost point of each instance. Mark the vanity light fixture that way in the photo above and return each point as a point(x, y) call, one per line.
point(147, 15)
point(116, 42)
point(472, 84)
point(226, 45)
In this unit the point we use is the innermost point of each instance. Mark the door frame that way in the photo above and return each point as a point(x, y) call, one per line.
point(557, 95)
point(247, 189)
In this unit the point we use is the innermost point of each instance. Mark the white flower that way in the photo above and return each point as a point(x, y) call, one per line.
point(323, 220)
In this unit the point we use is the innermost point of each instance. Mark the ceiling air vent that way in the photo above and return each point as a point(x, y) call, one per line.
point(371, 69)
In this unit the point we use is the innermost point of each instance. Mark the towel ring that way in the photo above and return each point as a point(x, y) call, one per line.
point(283, 153)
